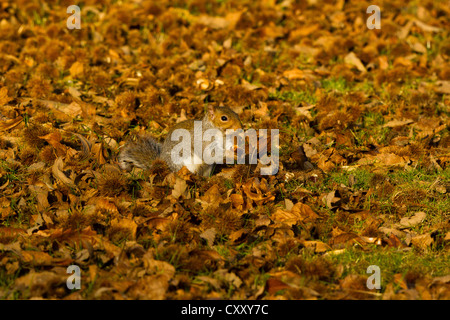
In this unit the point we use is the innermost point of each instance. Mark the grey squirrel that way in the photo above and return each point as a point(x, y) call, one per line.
point(145, 150)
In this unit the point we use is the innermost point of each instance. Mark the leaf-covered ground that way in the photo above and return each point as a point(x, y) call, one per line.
point(364, 172)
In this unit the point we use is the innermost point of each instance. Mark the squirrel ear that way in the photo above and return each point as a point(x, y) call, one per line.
point(211, 112)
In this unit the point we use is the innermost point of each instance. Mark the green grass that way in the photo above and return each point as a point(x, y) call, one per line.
point(335, 84)
point(392, 261)
point(294, 96)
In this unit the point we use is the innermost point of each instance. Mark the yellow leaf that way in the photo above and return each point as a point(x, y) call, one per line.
point(353, 60)
point(76, 69)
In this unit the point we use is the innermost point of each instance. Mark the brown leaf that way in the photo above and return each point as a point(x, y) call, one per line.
point(330, 199)
point(9, 124)
point(304, 211)
point(213, 22)
point(262, 194)
point(384, 159)
point(237, 200)
point(422, 241)
point(127, 224)
point(353, 60)
point(294, 74)
point(4, 99)
point(153, 287)
point(237, 235)
point(414, 220)
point(153, 266)
point(76, 69)
point(207, 254)
point(36, 258)
point(343, 238)
point(57, 170)
point(300, 212)
point(158, 223)
point(397, 123)
point(36, 284)
point(317, 246)
point(288, 204)
point(41, 194)
point(99, 153)
point(442, 87)
point(180, 188)
point(274, 285)
point(229, 277)
point(394, 241)
point(212, 195)
point(8, 234)
point(54, 139)
point(209, 235)
point(105, 204)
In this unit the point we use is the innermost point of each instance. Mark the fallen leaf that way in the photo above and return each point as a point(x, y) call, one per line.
point(180, 188)
point(212, 195)
point(237, 200)
point(422, 241)
point(4, 98)
point(294, 74)
point(442, 87)
point(57, 170)
point(353, 60)
point(274, 285)
point(414, 220)
point(36, 258)
point(209, 235)
point(317, 246)
point(237, 235)
point(9, 124)
point(76, 69)
point(397, 123)
point(288, 204)
point(126, 224)
point(304, 211)
point(54, 139)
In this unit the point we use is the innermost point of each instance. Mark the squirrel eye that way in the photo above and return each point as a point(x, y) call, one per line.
point(224, 118)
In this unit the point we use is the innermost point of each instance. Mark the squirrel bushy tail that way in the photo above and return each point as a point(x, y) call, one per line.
point(140, 154)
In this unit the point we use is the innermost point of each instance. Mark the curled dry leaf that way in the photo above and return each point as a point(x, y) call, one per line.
point(257, 190)
point(57, 170)
point(9, 124)
point(397, 123)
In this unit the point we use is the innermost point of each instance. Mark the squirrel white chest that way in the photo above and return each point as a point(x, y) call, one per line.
point(193, 163)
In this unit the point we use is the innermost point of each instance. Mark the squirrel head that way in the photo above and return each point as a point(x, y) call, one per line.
point(223, 118)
